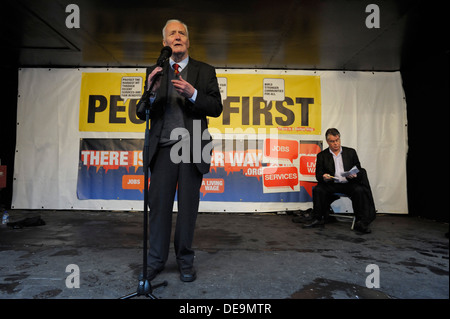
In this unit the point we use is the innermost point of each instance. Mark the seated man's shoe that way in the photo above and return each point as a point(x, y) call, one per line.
point(188, 274)
point(314, 223)
point(362, 228)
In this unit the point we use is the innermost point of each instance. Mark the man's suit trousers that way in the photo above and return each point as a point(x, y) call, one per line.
point(360, 196)
point(166, 178)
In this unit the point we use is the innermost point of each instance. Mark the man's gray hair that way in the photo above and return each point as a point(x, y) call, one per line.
point(174, 20)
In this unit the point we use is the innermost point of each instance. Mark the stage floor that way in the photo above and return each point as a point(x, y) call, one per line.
point(238, 256)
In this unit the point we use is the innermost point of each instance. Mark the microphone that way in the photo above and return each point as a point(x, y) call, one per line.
point(166, 53)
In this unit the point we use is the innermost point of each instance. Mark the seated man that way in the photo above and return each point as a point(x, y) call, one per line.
point(330, 165)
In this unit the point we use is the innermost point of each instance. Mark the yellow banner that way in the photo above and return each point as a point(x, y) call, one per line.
point(290, 103)
point(108, 102)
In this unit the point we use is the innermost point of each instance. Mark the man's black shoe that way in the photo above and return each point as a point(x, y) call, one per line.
point(362, 228)
point(314, 223)
point(188, 274)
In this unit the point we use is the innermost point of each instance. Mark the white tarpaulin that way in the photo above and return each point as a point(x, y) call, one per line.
point(368, 108)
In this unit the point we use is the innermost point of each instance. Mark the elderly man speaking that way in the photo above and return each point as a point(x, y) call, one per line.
point(180, 100)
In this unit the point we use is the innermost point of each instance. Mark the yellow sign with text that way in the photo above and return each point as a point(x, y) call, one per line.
point(289, 103)
point(108, 102)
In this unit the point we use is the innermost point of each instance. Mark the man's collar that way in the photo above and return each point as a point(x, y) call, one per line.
point(340, 151)
point(182, 64)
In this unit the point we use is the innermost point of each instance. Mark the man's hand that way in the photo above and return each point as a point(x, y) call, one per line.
point(183, 87)
point(327, 177)
point(158, 80)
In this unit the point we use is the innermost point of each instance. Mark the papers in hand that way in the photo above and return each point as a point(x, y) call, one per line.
point(353, 171)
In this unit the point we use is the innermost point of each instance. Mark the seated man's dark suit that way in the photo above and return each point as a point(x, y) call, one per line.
point(358, 189)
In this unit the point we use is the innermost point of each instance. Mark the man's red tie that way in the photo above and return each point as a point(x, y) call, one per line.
point(175, 67)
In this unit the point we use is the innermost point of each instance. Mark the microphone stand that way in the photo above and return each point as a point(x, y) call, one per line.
point(145, 287)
